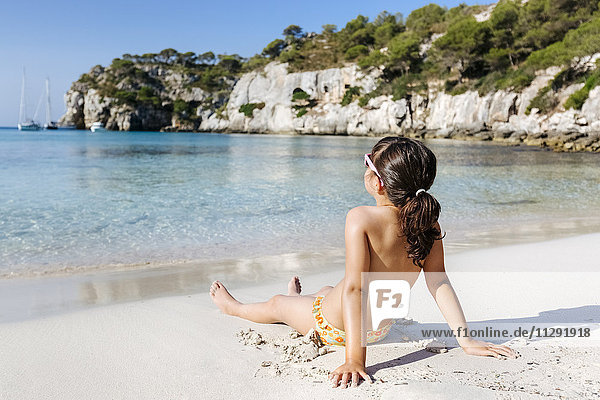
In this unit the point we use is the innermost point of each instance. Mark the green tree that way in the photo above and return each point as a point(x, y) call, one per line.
point(385, 32)
point(188, 59)
point(543, 22)
point(357, 23)
point(503, 21)
point(374, 59)
point(293, 31)
point(363, 36)
point(274, 48)
point(463, 45)
point(422, 19)
point(230, 63)
point(207, 58)
point(385, 17)
point(403, 52)
point(148, 58)
point(354, 33)
point(498, 59)
point(356, 51)
point(167, 56)
point(329, 28)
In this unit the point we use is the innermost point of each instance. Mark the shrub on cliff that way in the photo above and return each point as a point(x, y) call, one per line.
point(125, 97)
point(350, 94)
point(147, 95)
point(577, 99)
point(184, 109)
point(248, 108)
point(300, 94)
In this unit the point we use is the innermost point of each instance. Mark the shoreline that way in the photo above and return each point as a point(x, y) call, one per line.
point(35, 297)
point(544, 141)
point(117, 350)
point(530, 231)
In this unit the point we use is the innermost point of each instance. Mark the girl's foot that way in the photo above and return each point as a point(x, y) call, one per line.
point(294, 287)
point(221, 297)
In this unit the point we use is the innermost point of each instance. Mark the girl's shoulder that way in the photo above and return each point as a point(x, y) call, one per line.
point(366, 216)
point(361, 212)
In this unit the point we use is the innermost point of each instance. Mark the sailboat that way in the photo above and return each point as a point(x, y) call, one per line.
point(25, 124)
point(49, 123)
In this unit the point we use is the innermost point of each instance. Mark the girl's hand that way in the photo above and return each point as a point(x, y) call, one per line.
point(479, 348)
point(349, 370)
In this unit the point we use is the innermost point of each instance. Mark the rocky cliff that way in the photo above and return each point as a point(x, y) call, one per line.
point(86, 103)
point(272, 100)
point(500, 116)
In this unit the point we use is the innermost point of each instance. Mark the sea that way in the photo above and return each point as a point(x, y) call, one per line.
point(77, 202)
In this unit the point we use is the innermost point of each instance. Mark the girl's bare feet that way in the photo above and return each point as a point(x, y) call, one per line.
point(294, 287)
point(221, 297)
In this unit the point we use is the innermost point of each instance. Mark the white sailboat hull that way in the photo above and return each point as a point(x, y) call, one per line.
point(29, 127)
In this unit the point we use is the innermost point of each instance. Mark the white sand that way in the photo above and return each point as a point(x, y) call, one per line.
point(182, 347)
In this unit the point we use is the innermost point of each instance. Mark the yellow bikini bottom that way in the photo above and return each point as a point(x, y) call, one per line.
point(333, 336)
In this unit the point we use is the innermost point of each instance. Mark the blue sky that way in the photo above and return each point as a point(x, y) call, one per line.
point(62, 39)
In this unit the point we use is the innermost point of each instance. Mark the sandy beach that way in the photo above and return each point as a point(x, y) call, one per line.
point(282, 150)
point(183, 347)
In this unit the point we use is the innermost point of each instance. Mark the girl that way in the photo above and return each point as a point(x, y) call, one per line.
point(400, 234)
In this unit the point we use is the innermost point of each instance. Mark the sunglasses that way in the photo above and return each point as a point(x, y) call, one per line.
point(369, 163)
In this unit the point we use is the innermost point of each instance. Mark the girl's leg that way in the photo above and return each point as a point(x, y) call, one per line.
point(294, 311)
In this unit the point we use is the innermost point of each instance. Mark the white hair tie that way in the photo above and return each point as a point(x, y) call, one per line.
point(419, 191)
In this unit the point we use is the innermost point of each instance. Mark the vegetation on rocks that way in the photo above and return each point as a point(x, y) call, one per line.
point(433, 42)
point(483, 47)
point(141, 81)
point(248, 108)
point(577, 99)
point(350, 94)
point(302, 102)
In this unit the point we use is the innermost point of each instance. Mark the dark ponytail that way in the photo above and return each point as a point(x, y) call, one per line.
point(407, 165)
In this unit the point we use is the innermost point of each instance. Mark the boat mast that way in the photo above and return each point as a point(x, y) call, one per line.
point(48, 107)
point(22, 106)
point(37, 108)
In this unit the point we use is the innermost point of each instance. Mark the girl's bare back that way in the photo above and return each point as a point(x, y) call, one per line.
point(387, 253)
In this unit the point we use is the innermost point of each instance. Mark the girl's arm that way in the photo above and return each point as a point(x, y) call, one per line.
point(357, 261)
point(441, 289)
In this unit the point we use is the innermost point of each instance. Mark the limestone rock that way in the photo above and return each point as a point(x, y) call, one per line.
point(499, 116)
point(74, 101)
point(591, 108)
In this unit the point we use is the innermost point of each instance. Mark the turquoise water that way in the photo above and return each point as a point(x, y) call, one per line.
point(76, 199)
